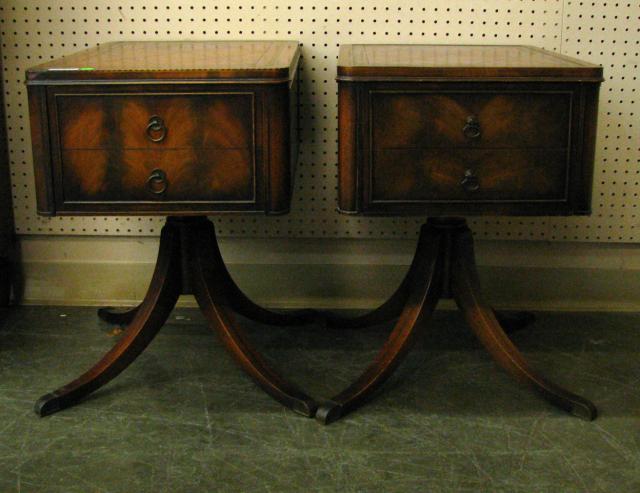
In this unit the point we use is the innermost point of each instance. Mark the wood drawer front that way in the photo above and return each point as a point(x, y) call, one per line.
point(437, 174)
point(194, 120)
point(127, 175)
point(506, 119)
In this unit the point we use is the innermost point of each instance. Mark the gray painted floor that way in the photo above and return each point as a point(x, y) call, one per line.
point(183, 418)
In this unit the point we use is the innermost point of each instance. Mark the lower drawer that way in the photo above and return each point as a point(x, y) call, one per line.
point(440, 175)
point(133, 175)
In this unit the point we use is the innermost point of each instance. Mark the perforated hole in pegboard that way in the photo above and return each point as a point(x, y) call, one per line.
point(604, 33)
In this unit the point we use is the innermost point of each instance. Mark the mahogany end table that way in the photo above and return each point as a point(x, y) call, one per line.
point(178, 129)
point(450, 131)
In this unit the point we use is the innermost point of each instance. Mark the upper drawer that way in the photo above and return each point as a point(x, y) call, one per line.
point(422, 119)
point(155, 120)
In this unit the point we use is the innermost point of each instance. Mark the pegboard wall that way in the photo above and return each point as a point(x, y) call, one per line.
point(602, 32)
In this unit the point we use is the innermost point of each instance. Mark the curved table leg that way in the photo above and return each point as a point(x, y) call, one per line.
point(154, 310)
point(211, 296)
point(240, 303)
point(481, 318)
point(117, 316)
point(420, 304)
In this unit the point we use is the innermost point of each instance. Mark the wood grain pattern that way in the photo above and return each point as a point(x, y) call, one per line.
point(41, 149)
point(465, 286)
point(174, 60)
point(359, 62)
point(484, 130)
point(436, 174)
point(148, 320)
point(210, 149)
point(207, 150)
point(426, 289)
point(185, 265)
point(171, 149)
point(192, 175)
point(443, 266)
point(222, 145)
point(449, 131)
point(348, 142)
point(507, 119)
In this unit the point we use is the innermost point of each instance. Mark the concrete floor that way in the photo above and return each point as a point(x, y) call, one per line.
point(183, 418)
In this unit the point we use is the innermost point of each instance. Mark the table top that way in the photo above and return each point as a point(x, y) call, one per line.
point(380, 61)
point(170, 60)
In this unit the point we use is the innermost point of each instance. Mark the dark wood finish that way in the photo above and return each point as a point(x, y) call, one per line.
point(421, 302)
point(181, 140)
point(6, 210)
point(457, 131)
point(40, 147)
point(179, 129)
point(453, 130)
point(266, 61)
point(216, 120)
point(456, 62)
point(160, 299)
point(444, 266)
point(437, 175)
point(349, 142)
point(506, 119)
point(465, 287)
point(185, 266)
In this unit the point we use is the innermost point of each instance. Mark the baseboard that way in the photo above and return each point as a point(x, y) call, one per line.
point(326, 274)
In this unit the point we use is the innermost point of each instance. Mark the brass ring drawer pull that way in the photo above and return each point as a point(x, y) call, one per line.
point(470, 181)
point(471, 130)
point(156, 129)
point(157, 182)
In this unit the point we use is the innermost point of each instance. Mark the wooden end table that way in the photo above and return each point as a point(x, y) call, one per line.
point(178, 129)
point(449, 131)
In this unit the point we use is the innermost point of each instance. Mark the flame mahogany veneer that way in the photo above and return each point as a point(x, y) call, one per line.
point(181, 129)
point(446, 131)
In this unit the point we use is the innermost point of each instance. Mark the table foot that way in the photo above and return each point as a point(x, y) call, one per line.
point(47, 404)
point(481, 318)
point(154, 311)
point(328, 412)
point(419, 306)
